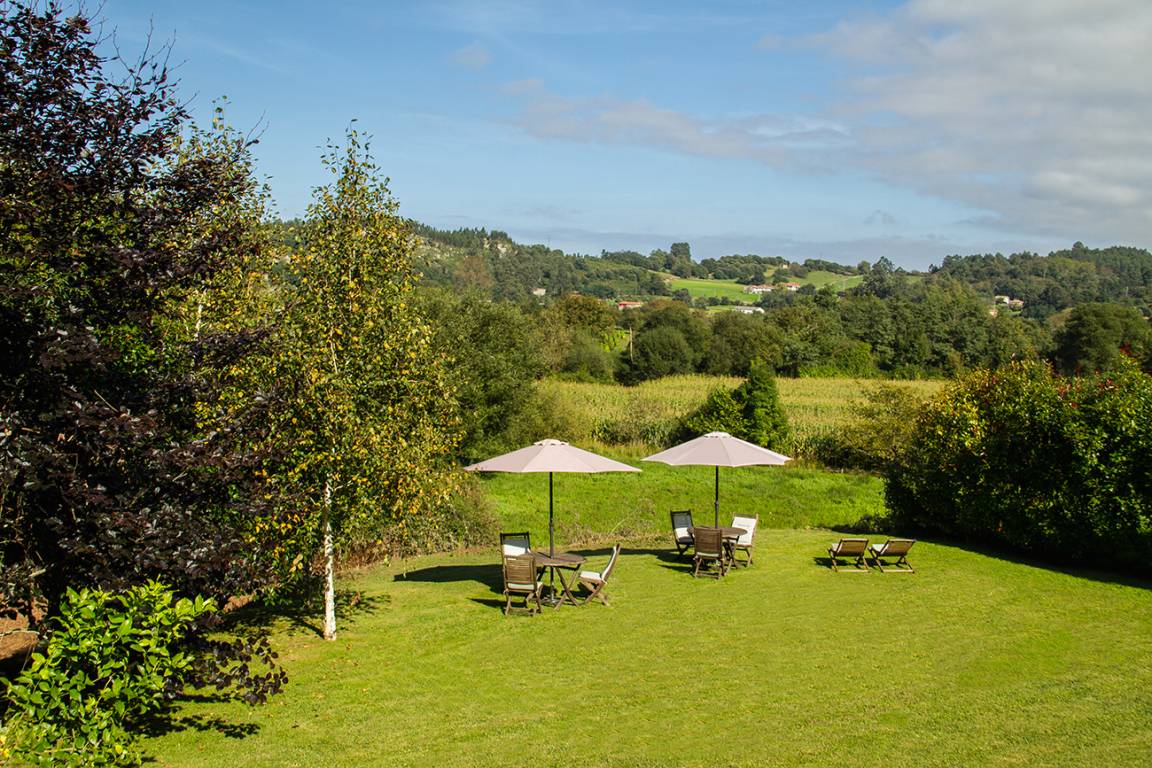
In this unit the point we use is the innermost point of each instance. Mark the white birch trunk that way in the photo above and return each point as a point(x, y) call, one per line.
point(329, 568)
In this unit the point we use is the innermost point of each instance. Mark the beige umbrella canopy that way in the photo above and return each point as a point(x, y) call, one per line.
point(718, 449)
point(549, 456)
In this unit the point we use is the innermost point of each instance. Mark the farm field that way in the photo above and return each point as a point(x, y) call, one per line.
point(730, 289)
point(596, 411)
point(973, 660)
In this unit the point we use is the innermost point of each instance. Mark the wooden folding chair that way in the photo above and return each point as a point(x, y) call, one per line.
point(595, 581)
point(709, 549)
point(682, 530)
point(849, 549)
point(744, 543)
point(520, 578)
point(893, 548)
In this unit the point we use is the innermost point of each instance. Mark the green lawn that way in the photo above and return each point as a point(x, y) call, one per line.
point(973, 660)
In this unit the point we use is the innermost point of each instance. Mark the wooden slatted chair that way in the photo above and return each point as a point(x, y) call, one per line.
point(520, 578)
point(595, 581)
point(744, 543)
point(849, 549)
point(709, 549)
point(893, 548)
point(682, 530)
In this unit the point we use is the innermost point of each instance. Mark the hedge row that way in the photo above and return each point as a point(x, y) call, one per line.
point(1022, 457)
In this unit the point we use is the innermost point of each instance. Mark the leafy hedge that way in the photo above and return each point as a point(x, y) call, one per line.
point(1059, 466)
point(751, 411)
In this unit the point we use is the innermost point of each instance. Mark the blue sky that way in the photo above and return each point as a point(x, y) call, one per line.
point(838, 130)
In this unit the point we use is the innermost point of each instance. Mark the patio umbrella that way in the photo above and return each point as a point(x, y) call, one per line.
point(718, 449)
point(549, 456)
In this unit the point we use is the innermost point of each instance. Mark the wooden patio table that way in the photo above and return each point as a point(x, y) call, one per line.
point(730, 533)
point(558, 563)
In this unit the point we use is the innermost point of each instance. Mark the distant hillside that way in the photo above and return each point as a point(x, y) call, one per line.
point(1062, 279)
point(492, 262)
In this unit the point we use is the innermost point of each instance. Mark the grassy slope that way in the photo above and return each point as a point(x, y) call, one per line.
point(972, 661)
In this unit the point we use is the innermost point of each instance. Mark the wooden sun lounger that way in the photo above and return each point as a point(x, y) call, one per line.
point(893, 548)
point(849, 549)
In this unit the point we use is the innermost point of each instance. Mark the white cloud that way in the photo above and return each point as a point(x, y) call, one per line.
point(1034, 110)
point(777, 139)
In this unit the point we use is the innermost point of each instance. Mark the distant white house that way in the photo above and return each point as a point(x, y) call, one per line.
point(793, 287)
point(1008, 301)
point(749, 310)
point(623, 305)
point(759, 289)
point(541, 292)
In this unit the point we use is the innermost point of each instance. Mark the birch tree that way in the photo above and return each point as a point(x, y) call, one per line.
point(372, 418)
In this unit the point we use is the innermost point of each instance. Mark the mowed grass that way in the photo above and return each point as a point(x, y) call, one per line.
point(973, 660)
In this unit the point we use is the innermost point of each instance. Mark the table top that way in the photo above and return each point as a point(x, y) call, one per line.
point(727, 531)
point(559, 560)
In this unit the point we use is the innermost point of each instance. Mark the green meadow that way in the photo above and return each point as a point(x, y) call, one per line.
point(729, 289)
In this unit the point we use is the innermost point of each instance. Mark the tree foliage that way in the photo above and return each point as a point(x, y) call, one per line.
point(115, 467)
point(1096, 337)
point(371, 417)
point(1024, 458)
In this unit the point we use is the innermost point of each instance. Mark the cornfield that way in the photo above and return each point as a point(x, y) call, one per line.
point(645, 415)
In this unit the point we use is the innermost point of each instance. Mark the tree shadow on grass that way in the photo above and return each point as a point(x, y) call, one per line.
point(159, 726)
point(304, 612)
point(486, 574)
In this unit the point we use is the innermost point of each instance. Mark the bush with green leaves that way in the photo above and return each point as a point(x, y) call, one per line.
point(112, 662)
point(881, 429)
point(1041, 463)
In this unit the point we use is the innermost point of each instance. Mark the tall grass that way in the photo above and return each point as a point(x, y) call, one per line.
point(644, 415)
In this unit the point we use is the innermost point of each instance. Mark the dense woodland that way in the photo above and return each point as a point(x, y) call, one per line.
point(1081, 309)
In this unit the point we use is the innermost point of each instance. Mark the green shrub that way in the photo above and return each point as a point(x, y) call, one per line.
point(751, 411)
point(1038, 462)
point(880, 430)
point(113, 660)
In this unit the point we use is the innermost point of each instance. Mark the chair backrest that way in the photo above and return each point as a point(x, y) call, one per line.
point(851, 547)
point(709, 541)
point(520, 570)
point(682, 524)
point(898, 547)
point(515, 544)
point(748, 524)
point(611, 563)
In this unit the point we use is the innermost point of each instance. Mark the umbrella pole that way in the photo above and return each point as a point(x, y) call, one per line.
point(716, 504)
point(551, 548)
